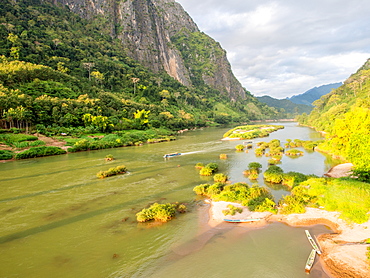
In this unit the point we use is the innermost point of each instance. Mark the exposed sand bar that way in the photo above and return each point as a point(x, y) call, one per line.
point(344, 253)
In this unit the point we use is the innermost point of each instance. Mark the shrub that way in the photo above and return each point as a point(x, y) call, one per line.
point(109, 157)
point(273, 162)
point(5, 154)
point(254, 165)
point(39, 152)
point(158, 212)
point(112, 171)
point(223, 156)
point(253, 197)
point(202, 189)
point(273, 174)
point(292, 204)
point(291, 179)
point(294, 152)
point(213, 166)
point(206, 171)
point(259, 151)
point(215, 189)
point(199, 165)
point(239, 147)
point(232, 210)
point(220, 178)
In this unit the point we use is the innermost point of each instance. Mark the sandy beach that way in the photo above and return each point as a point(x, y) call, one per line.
point(343, 252)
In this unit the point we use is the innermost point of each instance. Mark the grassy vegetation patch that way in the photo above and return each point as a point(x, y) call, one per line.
point(160, 212)
point(39, 152)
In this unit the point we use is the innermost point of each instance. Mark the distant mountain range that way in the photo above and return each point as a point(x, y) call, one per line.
point(313, 94)
point(286, 106)
point(298, 104)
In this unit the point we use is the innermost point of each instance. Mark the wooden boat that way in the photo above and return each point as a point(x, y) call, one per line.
point(171, 155)
point(312, 241)
point(242, 220)
point(310, 260)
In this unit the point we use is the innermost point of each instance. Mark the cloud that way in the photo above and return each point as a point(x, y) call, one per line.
point(286, 47)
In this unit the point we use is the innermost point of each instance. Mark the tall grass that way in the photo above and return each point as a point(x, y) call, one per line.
point(349, 197)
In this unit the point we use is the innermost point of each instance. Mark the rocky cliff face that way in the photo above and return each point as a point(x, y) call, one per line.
point(146, 28)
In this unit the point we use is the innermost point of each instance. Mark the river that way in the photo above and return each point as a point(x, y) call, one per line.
point(58, 220)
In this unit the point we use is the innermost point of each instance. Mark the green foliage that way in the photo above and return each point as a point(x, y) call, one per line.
point(6, 155)
point(109, 157)
point(232, 210)
point(10, 139)
point(206, 171)
point(220, 178)
point(223, 156)
point(158, 212)
point(239, 147)
point(350, 198)
point(39, 152)
point(344, 115)
point(254, 165)
point(291, 179)
point(202, 189)
point(293, 152)
point(252, 197)
point(251, 131)
point(273, 174)
point(199, 165)
point(213, 166)
point(112, 172)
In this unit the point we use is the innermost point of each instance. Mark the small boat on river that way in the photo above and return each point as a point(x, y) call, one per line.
point(242, 220)
point(310, 260)
point(171, 155)
point(313, 243)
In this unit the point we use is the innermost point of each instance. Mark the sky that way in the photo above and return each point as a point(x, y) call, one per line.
point(286, 47)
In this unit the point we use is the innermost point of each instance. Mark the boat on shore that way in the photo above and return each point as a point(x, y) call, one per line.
point(310, 261)
point(242, 220)
point(313, 243)
point(171, 155)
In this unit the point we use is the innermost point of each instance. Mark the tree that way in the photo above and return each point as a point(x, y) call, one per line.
point(141, 118)
point(134, 81)
point(89, 67)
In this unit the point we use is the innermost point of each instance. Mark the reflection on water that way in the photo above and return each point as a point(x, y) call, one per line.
point(57, 217)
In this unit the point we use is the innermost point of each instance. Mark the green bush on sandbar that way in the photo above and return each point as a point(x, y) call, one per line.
point(39, 152)
point(112, 171)
point(252, 197)
point(232, 210)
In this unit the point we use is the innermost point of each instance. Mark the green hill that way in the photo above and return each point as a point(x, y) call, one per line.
point(344, 115)
point(313, 94)
point(56, 67)
point(286, 108)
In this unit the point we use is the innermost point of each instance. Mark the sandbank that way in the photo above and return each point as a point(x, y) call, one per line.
point(344, 252)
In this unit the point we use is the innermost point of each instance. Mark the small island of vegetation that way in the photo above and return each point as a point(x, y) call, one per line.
point(112, 172)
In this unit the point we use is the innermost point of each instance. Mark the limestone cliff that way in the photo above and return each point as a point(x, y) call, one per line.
point(147, 28)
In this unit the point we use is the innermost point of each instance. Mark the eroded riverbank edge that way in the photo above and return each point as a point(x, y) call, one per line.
point(343, 252)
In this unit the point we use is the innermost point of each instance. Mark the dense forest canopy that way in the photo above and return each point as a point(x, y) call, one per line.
point(56, 68)
point(344, 115)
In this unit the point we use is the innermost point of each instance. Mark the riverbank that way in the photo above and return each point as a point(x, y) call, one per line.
point(344, 252)
point(339, 171)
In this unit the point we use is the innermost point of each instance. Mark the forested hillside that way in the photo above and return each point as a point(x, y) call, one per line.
point(286, 109)
point(58, 69)
point(313, 94)
point(344, 115)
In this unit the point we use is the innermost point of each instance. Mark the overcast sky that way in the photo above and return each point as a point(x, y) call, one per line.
point(286, 47)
